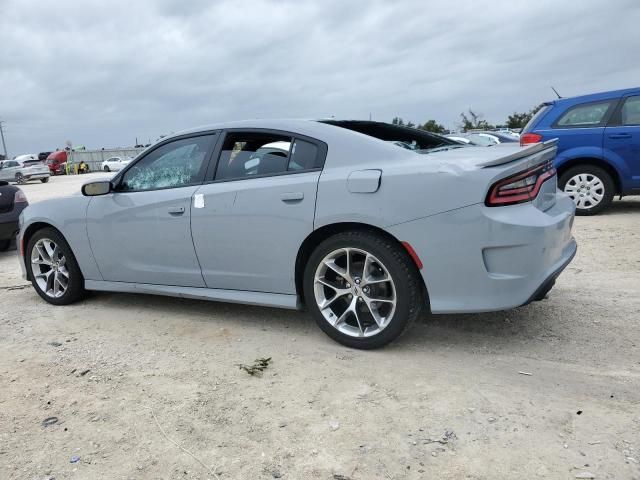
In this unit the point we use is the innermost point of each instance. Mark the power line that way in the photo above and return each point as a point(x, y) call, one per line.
point(4, 145)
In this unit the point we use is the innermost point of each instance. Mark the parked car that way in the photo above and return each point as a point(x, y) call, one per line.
point(599, 145)
point(12, 202)
point(484, 139)
point(42, 156)
point(365, 233)
point(24, 168)
point(115, 164)
point(57, 162)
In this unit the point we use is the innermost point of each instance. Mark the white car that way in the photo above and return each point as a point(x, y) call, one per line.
point(115, 164)
point(24, 168)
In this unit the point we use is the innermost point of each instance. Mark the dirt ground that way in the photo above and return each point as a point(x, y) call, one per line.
point(146, 387)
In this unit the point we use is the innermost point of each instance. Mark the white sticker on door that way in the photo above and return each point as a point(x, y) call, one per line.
point(198, 200)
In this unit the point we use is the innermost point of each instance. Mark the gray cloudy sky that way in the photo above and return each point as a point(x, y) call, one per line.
point(100, 73)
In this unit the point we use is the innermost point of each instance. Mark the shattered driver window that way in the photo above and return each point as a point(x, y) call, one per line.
point(175, 164)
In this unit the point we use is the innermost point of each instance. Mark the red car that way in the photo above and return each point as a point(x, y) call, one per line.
point(57, 162)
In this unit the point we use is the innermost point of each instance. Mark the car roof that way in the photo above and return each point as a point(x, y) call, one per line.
point(593, 97)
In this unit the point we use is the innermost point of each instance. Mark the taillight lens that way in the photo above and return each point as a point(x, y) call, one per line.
point(521, 187)
point(529, 138)
point(20, 197)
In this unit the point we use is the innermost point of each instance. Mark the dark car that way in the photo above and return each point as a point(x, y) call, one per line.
point(42, 156)
point(12, 202)
point(598, 145)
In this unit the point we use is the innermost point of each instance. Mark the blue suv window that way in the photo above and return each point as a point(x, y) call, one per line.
point(587, 115)
point(631, 111)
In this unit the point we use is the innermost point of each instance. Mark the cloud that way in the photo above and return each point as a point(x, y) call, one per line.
point(104, 73)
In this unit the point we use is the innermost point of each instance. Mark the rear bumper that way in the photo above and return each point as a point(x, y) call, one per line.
point(9, 222)
point(8, 230)
point(480, 259)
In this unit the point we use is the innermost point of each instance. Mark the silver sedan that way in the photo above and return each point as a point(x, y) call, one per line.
point(331, 216)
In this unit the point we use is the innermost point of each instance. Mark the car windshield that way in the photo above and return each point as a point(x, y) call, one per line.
point(408, 138)
point(30, 163)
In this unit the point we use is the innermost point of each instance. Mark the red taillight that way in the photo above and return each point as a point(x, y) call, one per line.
point(529, 138)
point(19, 197)
point(521, 187)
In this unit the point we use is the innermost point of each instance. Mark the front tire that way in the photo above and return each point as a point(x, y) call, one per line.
point(44, 180)
point(106, 168)
point(590, 187)
point(20, 179)
point(53, 269)
point(362, 289)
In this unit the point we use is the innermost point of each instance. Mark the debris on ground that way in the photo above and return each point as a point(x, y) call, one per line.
point(447, 437)
point(585, 475)
point(47, 422)
point(55, 344)
point(259, 366)
point(74, 459)
point(84, 372)
point(334, 425)
point(525, 373)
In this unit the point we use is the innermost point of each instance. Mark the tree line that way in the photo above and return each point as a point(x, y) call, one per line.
point(472, 120)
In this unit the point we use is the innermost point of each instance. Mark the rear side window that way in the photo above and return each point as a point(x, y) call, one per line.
point(247, 154)
point(631, 111)
point(587, 115)
point(304, 156)
point(256, 154)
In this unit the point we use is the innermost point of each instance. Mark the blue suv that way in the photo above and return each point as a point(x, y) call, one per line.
point(599, 145)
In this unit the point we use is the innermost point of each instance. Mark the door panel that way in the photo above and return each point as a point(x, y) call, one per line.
point(144, 237)
point(624, 139)
point(247, 232)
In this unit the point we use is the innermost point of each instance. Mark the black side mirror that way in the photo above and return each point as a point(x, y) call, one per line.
point(95, 189)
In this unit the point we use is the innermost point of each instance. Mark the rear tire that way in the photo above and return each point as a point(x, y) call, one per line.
point(590, 187)
point(106, 168)
point(44, 180)
point(363, 309)
point(20, 179)
point(50, 253)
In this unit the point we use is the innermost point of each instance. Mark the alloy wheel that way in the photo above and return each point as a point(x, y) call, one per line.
point(585, 189)
point(354, 292)
point(49, 268)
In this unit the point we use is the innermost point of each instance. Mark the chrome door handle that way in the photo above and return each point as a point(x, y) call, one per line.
point(290, 197)
point(176, 210)
point(620, 135)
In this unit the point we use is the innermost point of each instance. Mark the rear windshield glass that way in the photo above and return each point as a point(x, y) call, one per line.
point(535, 118)
point(403, 137)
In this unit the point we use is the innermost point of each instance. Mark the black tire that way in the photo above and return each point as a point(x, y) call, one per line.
point(75, 288)
point(4, 245)
point(20, 179)
point(106, 168)
point(403, 271)
point(44, 180)
point(590, 171)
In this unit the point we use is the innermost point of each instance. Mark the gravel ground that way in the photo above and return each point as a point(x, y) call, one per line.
point(147, 387)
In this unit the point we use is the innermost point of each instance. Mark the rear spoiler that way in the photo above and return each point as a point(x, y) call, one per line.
point(525, 152)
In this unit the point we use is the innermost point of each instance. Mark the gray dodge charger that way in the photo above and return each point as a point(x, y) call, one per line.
point(364, 224)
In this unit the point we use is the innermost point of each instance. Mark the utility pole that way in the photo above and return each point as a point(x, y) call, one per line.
point(4, 145)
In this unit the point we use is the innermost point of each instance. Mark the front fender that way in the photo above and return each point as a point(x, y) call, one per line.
point(68, 216)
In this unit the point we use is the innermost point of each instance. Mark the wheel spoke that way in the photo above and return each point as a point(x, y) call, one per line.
point(339, 270)
point(46, 259)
